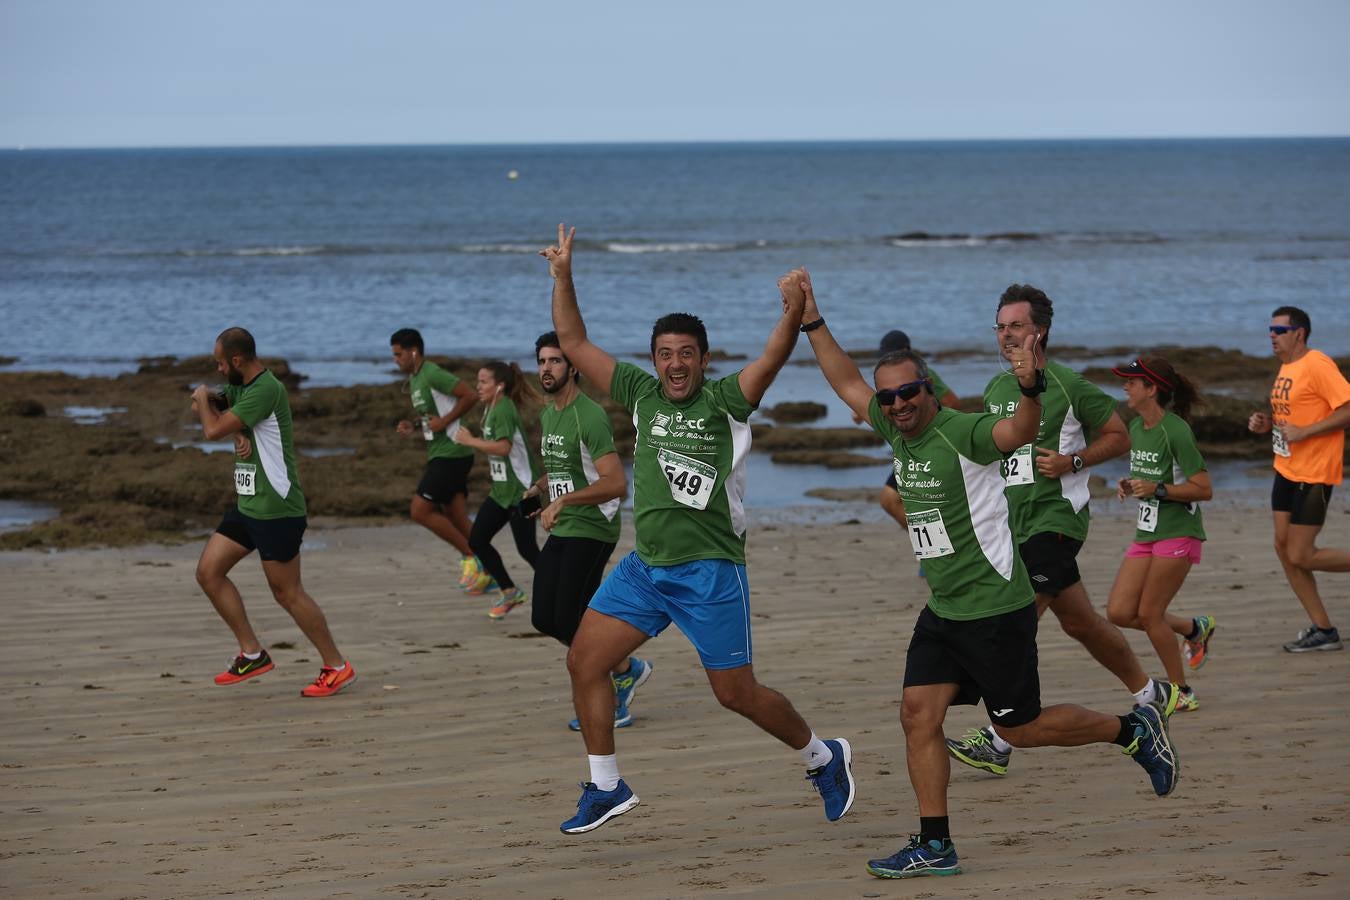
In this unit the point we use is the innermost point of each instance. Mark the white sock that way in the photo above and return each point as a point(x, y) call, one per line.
point(999, 743)
point(815, 754)
point(339, 668)
point(604, 771)
point(1145, 693)
point(253, 656)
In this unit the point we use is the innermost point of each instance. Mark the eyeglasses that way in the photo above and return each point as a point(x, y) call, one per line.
point(906, 391)
point(1011, 326)
point(1281, 329)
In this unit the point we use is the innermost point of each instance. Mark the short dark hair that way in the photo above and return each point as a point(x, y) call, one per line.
point(681, 323)
point(1297, 317)
point(408, 339)
point(550, 339)
point(893, 341)
point(898, 356)
point(237, 341)
point(1042, 307)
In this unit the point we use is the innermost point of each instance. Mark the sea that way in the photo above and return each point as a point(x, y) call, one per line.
point(111, 256)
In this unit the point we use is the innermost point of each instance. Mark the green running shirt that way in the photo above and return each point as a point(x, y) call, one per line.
point(573, 438)
point(950, 478)
point(433, 394)
point(1165, 453)
point(266, 482)
point(513, 473)
point(688, 468)
point(1070, 407)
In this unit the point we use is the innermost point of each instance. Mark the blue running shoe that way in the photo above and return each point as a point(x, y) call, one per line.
point(626, 685)
point(916, 858)
point(596, 807)
point(622, 719)
point(1152, 749)
point(834, 780)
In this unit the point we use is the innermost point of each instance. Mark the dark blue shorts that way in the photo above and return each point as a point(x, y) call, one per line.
point(276, 540)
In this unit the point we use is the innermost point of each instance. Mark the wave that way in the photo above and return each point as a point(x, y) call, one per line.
point(927, 239)
point(910, 239)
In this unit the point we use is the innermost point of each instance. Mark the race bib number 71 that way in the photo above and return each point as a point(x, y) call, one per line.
point(928, 535)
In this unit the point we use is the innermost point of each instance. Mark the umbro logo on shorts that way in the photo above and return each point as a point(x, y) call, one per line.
point(1040, 578)
point(1001, 712)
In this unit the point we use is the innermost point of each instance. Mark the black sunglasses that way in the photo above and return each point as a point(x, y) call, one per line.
point(906, 391)
point(1281, 329)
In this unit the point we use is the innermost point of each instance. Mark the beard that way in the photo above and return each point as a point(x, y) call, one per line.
point(234, 376)
point(557, 385)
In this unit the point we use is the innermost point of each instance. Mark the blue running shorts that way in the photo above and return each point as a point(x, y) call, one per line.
point(707, 599)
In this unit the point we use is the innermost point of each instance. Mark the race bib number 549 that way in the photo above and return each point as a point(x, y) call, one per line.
point(691, 481)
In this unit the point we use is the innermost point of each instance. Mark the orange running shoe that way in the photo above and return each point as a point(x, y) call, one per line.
point(481, 585)
point(330, 681)
point(243, 668)
point(507, 603)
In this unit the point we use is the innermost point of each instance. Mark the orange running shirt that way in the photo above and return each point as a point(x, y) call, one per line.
point(1305, 392)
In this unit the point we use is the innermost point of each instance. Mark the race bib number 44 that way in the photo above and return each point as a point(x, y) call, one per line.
point(1017, 468)
point(691, 481)
point(245, 479)
point(928, 535)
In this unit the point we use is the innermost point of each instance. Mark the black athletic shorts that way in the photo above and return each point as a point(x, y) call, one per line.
point(275, 539)
point(1305, 503)
point(444, 478)
point(993, 659)
point(1052, 562)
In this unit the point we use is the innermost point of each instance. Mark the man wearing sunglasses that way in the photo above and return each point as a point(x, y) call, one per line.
point(689, 521)
point(1046, 483)
point(976, 637)
point(1309, 411)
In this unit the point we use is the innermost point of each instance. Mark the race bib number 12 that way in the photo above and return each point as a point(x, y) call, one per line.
point(1148, 516)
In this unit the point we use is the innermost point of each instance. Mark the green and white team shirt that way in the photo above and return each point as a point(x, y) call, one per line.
point(1070, 407)
point(266, 482)
point(574, 437)
point(688, 468)
point(940, 388)
point(951, 480)
point(433, 394)
point(1165, 453)
point(513, 473)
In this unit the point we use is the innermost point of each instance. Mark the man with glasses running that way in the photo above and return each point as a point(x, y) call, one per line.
point(1309, 411)
point(976, 637)
point(1046, 483)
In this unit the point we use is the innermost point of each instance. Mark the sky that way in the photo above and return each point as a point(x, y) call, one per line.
point(84, 73)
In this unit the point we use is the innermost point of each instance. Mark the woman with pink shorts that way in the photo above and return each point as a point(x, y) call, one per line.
point(1168, 478)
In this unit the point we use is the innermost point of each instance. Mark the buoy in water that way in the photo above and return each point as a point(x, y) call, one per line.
point(512, 175)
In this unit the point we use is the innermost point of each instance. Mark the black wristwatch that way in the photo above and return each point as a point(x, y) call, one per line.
point(812, 326)
point(1036, 389)
point(1077, 462)
point(1160, 491)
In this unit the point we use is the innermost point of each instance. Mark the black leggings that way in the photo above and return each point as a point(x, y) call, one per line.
point(567, 573)
point(491, 519)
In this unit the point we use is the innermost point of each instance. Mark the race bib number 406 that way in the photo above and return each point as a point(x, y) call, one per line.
point(691, 481)
point(928, 535)
point(245, 479)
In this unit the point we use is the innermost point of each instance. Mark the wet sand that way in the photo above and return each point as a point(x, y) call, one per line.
point(445, 770)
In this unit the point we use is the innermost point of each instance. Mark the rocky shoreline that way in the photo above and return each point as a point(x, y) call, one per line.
point(121, 457)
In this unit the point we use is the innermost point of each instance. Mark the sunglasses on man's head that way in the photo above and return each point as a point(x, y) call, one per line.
point(1281, 329)
point(907, 391)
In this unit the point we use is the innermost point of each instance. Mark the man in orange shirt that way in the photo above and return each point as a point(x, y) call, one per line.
point(1309, 411)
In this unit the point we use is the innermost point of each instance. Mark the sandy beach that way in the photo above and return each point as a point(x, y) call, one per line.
point(445, 770)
